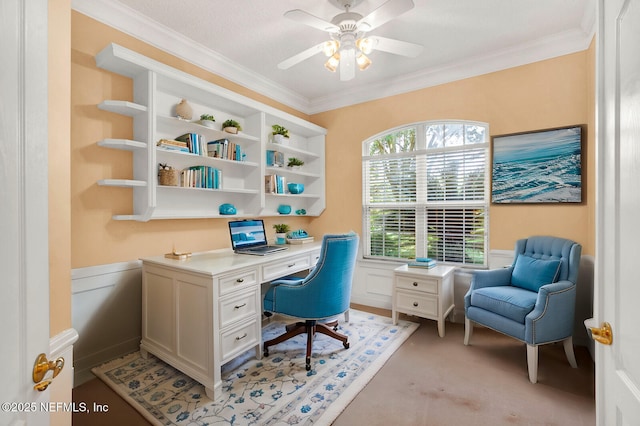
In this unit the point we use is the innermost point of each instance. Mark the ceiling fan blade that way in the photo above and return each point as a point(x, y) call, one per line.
point(384, 14)
point(397, 47)
point(305, 54)
point(310, 20)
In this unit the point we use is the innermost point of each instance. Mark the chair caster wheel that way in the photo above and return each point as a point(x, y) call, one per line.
point(308, 367)
point(346, 345)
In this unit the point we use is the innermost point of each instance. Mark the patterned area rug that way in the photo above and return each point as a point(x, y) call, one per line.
point(276, 390)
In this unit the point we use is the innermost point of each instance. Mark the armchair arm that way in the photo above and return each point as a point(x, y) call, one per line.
point(490, 278)
point(552, 317)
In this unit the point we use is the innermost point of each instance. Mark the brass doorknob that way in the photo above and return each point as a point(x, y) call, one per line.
point(40, 369)
point(602, 334)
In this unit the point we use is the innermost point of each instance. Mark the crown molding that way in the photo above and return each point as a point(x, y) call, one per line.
point(557, 45)
point(129, 21)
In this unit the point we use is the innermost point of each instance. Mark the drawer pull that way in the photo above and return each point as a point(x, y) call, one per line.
point(240, 280)
point(415, 283)
point(241, 337)
point(240, 306)
point(291, 266)
point(415, 304)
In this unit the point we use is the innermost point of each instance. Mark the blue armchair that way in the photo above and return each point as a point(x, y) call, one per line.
point(323, 294)
point(533, 300)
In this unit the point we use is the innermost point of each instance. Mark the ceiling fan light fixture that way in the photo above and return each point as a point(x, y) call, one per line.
point(362, 61)
point(333, 62)
point(330, 47)
point(365, 45)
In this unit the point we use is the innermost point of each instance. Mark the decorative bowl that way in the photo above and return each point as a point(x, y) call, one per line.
point(227, 208)
point(296, 188)
point(284, 209)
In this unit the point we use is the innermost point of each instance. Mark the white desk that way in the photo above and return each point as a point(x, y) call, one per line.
point(199, 313)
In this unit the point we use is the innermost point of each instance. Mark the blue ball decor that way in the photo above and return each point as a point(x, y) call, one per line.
point(227, 209)
point(296, 188)
point(284, 209)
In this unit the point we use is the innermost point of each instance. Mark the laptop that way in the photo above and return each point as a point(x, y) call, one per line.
point(248, 237)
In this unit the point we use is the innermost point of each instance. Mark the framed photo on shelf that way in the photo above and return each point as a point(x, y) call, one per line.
point(543, 166)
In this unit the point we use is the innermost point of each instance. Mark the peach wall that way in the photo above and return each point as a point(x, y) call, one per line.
point(59, 65)
point(95, 237)
point(546, 94)
point(551, 93)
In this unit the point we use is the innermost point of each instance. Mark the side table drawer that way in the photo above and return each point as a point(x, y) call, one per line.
point(237, 280)
point(418, 303)
point(237, 307)
point(284, 267)
point(238, 340)
point(425, 285)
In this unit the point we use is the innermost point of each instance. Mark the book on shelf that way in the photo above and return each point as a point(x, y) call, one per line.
point(195, 142)
point(275, 184)
point(225, 149)
point(422, 262)
point(201, 177)
point(173, 145)
point(275, 158)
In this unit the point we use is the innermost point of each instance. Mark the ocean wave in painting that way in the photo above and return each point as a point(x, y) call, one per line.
point(541, 167)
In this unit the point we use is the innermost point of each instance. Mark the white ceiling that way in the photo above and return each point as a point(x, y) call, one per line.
point(244, 40)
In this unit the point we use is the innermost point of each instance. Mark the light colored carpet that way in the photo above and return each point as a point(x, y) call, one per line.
point(276, 390)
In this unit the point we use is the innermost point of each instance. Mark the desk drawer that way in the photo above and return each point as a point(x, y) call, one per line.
point(417, 303)
point(237, 307)
point(238, 340)
point(426, 285)
point(285, 267)
point(237, 280)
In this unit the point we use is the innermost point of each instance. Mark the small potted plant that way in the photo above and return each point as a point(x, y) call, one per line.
point(207, 120)
point(281, 232)
point(231, 126)
point(280, 134)
point(295, 163)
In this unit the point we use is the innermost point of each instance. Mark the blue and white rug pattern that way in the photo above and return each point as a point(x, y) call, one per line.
point(276, 390)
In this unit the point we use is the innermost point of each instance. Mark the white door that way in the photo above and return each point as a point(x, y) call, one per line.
point(618, 228)
point(24, 282)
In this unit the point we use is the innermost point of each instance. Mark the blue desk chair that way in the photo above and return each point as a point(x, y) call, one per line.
point(533, 300)
point(323, 294)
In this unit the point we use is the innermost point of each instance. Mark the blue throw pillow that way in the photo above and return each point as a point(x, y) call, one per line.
point(531, 274)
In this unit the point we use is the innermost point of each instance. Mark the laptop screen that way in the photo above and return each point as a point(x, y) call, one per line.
point(247, 233)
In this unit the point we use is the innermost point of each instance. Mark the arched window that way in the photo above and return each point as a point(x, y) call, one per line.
point(426, 192)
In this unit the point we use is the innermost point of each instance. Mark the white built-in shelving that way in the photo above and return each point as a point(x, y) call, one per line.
point(157, 89)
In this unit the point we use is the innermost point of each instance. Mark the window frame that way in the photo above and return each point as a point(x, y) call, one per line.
point(421, 205)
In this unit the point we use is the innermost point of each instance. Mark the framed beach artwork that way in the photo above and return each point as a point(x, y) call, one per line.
point(544, 166)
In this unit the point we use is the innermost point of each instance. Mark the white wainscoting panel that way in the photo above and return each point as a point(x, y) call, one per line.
point(61, 345)
point(107, 313)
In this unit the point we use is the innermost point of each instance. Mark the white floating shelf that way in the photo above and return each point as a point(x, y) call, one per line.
point(125, 144)
point(122, 107)
point(125, 183)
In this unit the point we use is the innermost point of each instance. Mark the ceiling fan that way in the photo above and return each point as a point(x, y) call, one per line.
point(348, 45)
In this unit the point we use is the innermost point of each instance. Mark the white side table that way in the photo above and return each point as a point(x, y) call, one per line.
point(427, 293)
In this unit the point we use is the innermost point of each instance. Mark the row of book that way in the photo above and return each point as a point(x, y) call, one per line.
point(422, 262)
point(196, 144)
point(275, 158)
point(275, 184)
point(201, 177)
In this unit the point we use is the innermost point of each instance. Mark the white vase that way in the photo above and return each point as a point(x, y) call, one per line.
point(207, 123)
point(280, 139)
point(184, 110)
point(281, 238)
